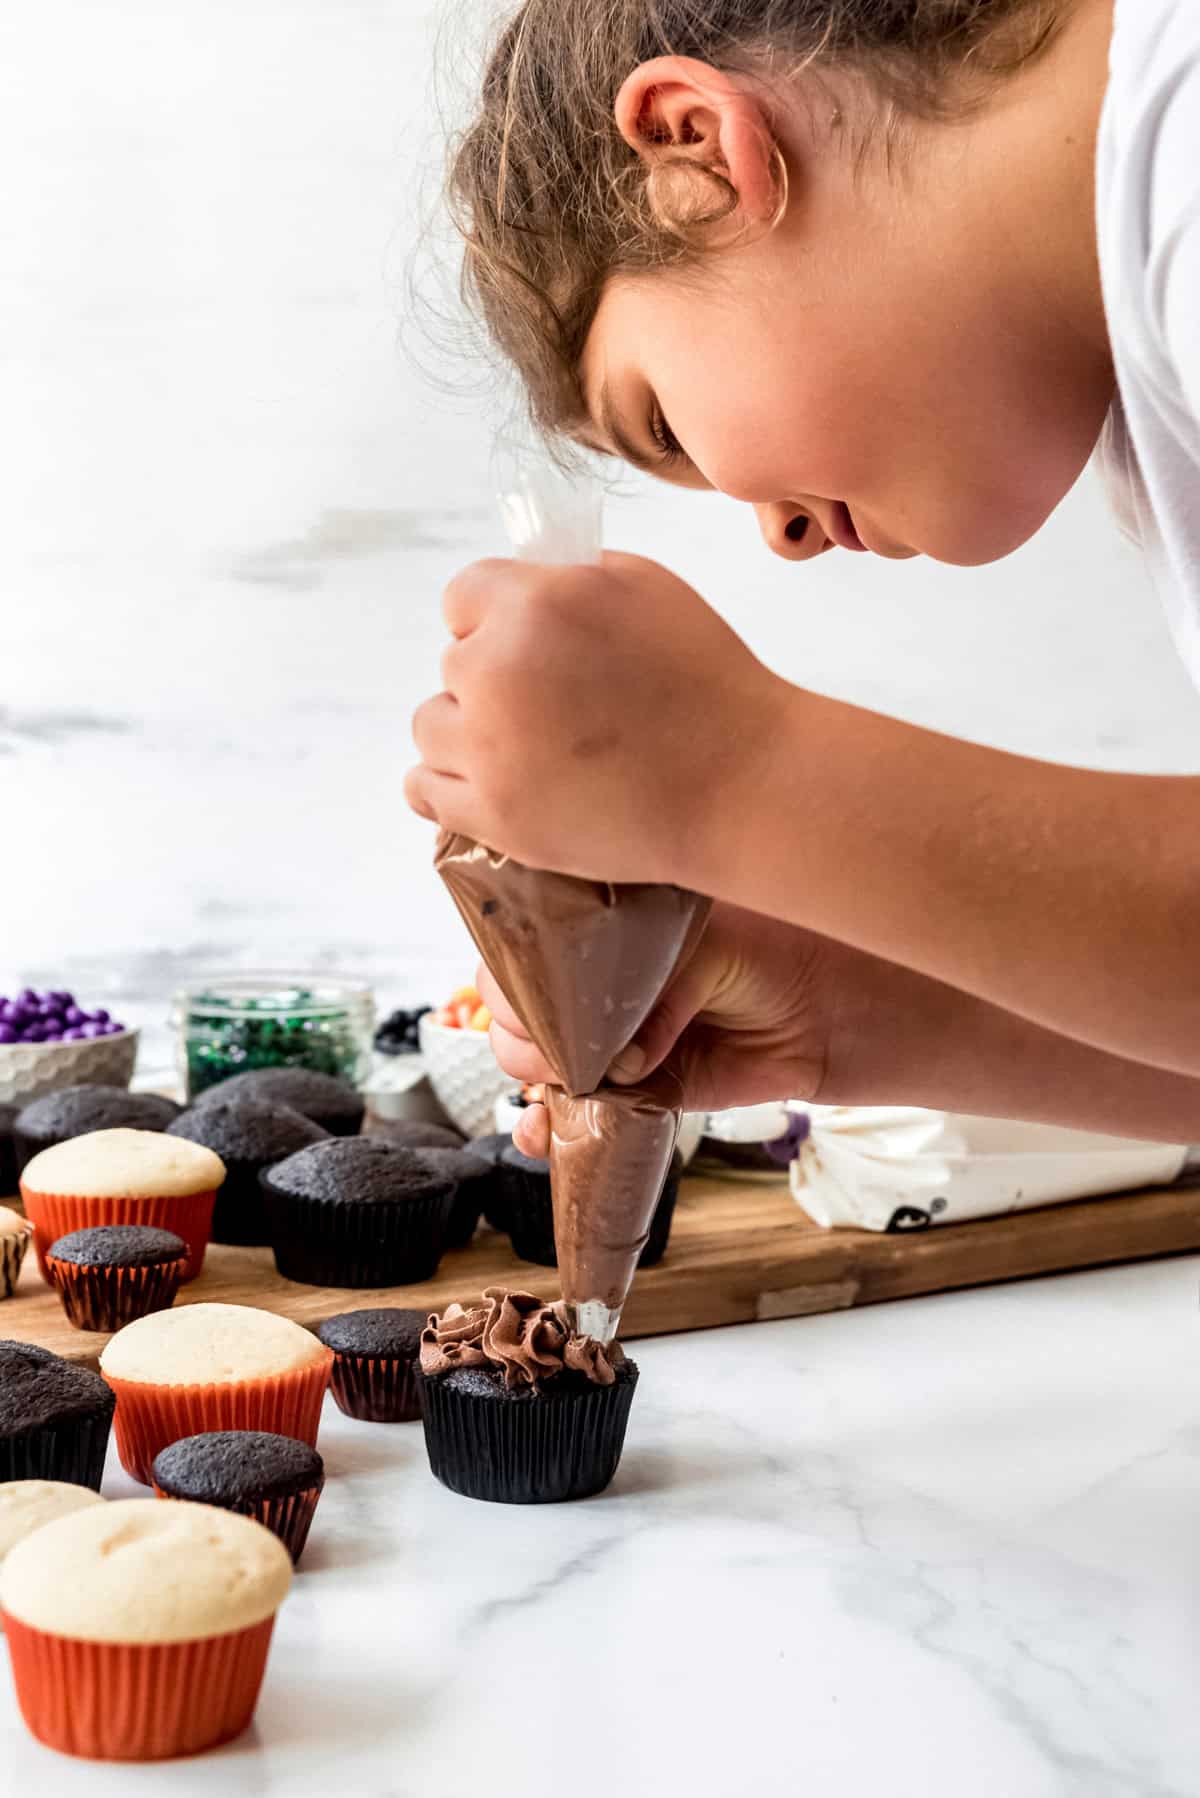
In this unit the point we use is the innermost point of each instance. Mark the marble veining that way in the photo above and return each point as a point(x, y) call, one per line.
point(943, 1546)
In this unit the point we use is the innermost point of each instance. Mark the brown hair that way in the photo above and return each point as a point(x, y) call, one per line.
point(551, 201)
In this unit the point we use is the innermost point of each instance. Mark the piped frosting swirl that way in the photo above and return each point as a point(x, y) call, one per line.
point(526, 1340)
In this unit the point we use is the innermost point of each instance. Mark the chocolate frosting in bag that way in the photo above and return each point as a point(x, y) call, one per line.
point(610, 1153)
point(581, 962)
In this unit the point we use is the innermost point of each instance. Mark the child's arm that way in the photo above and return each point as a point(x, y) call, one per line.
point(764, 1010)
point(604, 721)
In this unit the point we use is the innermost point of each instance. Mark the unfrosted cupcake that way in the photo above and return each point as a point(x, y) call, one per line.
point(357, 1213)
point(140, 1631)
point(211, 1367)
point(123, 1177)
point(275, 1479)
point(113, 1273)
point(332, 1103)
point(16, 1234)
point(54, 1417)
point(375, 1356)
point(249, 1135)
point(25, 1505)
point(494, 1199)
point(473, 1179)
point(517, 1408)
point(78, 1110)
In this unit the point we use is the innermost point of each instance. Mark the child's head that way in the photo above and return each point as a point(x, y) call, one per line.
point(841, 251)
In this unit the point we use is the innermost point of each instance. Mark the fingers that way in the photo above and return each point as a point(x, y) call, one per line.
point(518, 1056)
point(531, 1132)
point(437, 733)
point(466, 600)
point(689, 993)
point(443, 799)
point(497, 1004)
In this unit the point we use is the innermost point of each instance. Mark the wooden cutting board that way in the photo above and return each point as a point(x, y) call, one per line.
point(740, 1251)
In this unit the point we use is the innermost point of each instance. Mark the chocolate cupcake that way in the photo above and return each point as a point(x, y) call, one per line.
point(531, 1213)
point(375, 1355)
point(277, 1480)
point(112, 1273)
point(248, 1134)
point(412, 1133)
point(54, 1417)
point(473, 1183)
point(16, 1234)
point(517, 1409)
point(332, 1103)
point(8, 1150)
point(494, 1201)
point(357, 1213)
point(78, 1110)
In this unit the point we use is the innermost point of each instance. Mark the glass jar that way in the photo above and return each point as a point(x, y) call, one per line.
point(231, 1023)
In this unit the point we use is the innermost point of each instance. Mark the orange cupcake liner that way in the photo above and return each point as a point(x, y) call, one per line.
point(151, 1417)
point(136, 1701)
point(189, 1215)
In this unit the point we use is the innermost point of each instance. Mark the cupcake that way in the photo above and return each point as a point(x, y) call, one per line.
point(54, 1418)
point(140, 1631)
point(25, 1505)
point(517, 1408)
point(248, 1134)
point(375, 1353)
point(113, 1273)
point(8, 1150)
point(211, 1367)
point(332, 1103)
point(531, 1212)
point(274, 1479)
point(123, 1177)
point(357, 1213)
point(16, 1233)
point(78, 1110)
point(412, 1133)
point(491, 1149)
point(473, 1179)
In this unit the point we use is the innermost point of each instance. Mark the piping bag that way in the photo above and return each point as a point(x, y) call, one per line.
point(582, 963)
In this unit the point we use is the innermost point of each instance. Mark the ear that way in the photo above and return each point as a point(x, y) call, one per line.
point(676, 107)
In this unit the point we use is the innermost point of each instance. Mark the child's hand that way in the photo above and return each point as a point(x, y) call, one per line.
point(592, 718)
point(748, 1018)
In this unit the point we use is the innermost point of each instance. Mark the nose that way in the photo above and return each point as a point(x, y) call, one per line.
point(790, 530)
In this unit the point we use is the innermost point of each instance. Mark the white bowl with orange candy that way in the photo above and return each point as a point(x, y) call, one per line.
point(463, 1072)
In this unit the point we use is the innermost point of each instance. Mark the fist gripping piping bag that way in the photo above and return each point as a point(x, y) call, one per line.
point(582, 963)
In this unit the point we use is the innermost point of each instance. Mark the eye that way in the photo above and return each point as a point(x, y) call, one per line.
point(670, 446)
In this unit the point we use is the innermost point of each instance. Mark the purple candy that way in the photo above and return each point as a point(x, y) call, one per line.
point(27, 996)
point(91, 1029)
point(7, 1034)
point(101, 1016)
point(34, 1033)
point(51, 1033)
point(72, 1033)
point(73, 1015)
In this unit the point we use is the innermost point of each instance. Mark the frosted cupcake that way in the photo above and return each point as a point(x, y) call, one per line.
point(123, 1177)
point(16, 1232)
point(211, 1367)
point(150, 1639)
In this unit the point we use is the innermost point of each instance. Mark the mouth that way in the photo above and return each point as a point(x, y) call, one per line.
point(842, 528)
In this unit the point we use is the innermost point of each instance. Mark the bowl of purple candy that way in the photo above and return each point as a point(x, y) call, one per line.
point(49, 1040)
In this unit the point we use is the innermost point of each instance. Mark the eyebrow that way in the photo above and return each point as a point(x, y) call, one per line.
point(611, 428)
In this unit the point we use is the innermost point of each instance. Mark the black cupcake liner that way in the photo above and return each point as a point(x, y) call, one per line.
point(536, 1451)
point(71, 1449)
point(530, 1222)
point(464, 1214)
point(239, 1215)
point(289, 1518)
point(376, 1389)
point(106, 1298)
point(339, 1242)
point(13, 1250)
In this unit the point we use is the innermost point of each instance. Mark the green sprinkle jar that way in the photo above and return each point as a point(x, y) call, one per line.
point(231, 1023)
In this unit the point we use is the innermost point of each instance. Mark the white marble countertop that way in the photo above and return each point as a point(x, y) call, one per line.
point(948, 1546)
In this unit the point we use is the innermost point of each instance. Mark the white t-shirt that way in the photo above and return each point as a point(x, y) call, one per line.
point(1148, 219)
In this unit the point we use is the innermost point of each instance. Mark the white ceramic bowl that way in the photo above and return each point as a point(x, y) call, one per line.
point(27, 1070)
point(464, 1074)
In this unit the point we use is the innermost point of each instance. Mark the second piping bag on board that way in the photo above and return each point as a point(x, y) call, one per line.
point(582, 963)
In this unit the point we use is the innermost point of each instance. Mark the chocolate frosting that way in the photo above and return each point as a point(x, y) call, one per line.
point(581, 962)
point(610, 1154)
point(517, 1335)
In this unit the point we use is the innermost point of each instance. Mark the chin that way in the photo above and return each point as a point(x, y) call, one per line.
point(989, 536)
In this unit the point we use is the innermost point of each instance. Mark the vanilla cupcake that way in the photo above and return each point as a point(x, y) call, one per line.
point(212, 1367)
point(25, 1505)
point(15, 1234)
point(123, 1177)
point(140, 1631)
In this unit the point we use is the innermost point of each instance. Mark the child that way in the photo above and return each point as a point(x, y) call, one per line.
point(887, 270)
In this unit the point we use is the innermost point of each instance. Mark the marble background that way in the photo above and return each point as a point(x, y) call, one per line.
point(233, 494)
